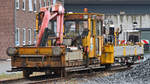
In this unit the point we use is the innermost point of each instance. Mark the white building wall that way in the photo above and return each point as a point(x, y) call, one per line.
point(143, 21)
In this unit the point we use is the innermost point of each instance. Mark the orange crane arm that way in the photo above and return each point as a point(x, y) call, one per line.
point(58, 11)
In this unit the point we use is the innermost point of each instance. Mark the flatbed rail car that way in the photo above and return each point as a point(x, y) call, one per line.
point(82, 45)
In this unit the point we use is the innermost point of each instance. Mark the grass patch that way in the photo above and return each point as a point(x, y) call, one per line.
point(4, 76)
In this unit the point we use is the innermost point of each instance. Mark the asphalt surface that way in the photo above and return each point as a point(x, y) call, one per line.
point(4, 66)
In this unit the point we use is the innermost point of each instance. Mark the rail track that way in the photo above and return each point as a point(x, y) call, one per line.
point(44, 79)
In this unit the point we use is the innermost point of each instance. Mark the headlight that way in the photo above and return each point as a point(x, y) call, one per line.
point(11, 51)
point(56, 51)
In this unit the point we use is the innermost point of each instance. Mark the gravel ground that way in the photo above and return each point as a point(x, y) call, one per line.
point(140, 74)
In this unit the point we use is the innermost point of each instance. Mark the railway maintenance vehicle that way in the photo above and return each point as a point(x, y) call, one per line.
point(71, 41)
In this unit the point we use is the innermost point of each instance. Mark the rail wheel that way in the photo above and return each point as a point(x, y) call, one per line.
point(63, 72)
point(48, 72)
point(26, 74)
point(129, 64)
point(107, 66)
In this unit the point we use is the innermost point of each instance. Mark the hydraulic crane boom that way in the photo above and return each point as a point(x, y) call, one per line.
point(58, 12)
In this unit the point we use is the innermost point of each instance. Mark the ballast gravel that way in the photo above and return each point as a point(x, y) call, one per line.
point(140, 74)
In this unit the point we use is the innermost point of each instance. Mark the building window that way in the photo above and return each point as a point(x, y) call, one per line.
point(34, 6)
point(30, 36)
point(48, 2)
point(30, 5)
point(35, 36)
point(54, 2)
point(17, 4)
point(24, 36)
point(24, 5)
point(44, 3)
point(40, 4)
point(100, 28)
point(17, 37)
